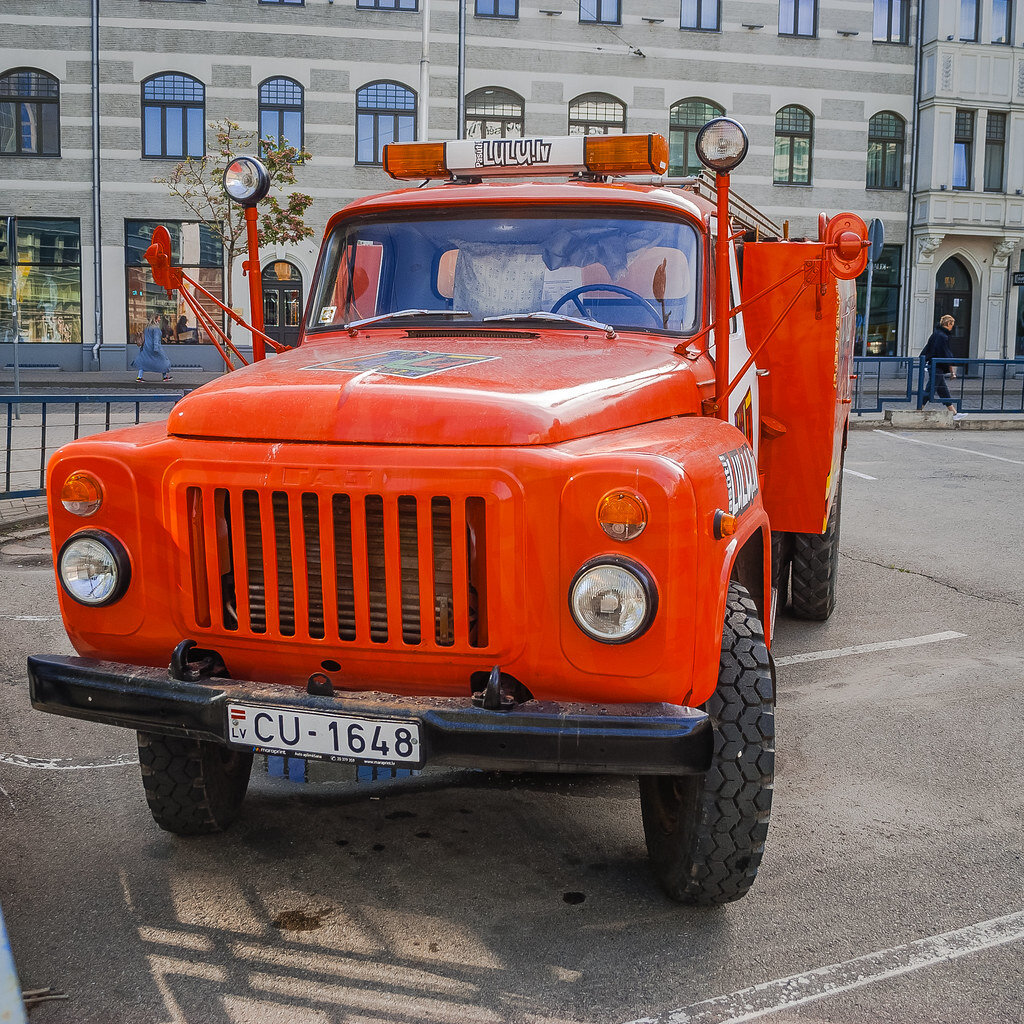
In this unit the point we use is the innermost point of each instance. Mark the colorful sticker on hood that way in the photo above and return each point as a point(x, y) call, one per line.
point(400, 362)
point(740, 478)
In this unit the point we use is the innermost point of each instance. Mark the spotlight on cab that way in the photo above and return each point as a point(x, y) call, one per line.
point(246, 180)
point(722, 144)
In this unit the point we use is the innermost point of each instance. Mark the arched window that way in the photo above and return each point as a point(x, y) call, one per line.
point(794, 133)
point(887, 134)
point(385, 112)
point(685, 119)
point(597, 113)
point(494, 113)
point(173, 112)
point(281, 112)
point(29, 113)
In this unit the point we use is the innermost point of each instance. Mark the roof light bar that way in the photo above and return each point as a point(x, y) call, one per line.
point(533, 157)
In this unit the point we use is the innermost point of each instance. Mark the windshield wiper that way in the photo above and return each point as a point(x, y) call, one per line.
point(541, 314)
point(354, 326)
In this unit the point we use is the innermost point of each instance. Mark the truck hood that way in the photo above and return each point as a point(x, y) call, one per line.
point(439, 388)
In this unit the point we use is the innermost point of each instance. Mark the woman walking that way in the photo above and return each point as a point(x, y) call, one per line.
point(151, 356)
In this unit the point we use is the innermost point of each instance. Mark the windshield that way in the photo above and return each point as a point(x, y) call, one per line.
point(636, 272)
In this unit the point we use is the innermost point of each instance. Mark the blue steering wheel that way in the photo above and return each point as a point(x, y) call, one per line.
point(638, 300)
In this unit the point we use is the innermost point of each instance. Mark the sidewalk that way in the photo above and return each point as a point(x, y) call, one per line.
point(47, 382)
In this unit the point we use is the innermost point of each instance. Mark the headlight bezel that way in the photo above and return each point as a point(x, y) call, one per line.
point(643, 577)
point(119, 557)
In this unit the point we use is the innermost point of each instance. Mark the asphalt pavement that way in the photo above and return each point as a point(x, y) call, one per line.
point(892, 887)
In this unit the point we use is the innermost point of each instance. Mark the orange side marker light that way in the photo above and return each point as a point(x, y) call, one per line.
point(725, 524)
point(81, 494)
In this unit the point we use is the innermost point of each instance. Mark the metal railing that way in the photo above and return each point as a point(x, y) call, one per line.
point(37, 425)
point(980, 385)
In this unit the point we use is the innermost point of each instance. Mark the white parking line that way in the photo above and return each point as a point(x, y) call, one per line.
point(863, 476)
point(948, 447)
point(885, 645)
point(31, 618)
point(63, 764)
point(798, 989)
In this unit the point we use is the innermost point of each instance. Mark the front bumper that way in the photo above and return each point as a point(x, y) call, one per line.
point(627, 739)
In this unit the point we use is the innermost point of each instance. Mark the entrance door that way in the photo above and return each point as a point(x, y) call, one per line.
point(282, 301)
point(953, 296)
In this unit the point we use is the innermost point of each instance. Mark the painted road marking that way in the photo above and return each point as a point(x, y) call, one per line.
point(63, 764)
point(949, 447)
point(31, 618)
point(863, 476)
point(799, 989)
point(885, 645)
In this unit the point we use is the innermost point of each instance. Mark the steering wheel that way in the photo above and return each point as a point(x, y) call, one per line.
point(638, 300)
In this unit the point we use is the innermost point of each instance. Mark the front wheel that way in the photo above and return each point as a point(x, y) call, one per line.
point(192, 787)
point(706, 834)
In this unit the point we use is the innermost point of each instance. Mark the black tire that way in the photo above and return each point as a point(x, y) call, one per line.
point(192, 787)
point(815, 567)
point(705, 834)
point(782, 559)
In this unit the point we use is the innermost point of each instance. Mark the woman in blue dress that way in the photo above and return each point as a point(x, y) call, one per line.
point(151, 356)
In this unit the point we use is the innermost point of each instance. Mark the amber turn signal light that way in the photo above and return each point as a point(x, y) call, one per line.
point(725, 524)
point(622, 516)
point(625, 154)
point(81, 494)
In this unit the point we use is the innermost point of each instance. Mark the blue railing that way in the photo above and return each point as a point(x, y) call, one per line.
point(37, 425)
point(980, 385)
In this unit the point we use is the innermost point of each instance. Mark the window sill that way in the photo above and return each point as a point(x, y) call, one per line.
point(692, 28)
point(30, 156)
point(794, 184)
point(884, 188)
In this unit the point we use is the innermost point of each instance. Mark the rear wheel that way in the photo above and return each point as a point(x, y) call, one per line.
point(815, 566)
point(192, 787)
point(705, 834)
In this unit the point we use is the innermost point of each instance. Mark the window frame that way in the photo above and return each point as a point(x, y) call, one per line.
point(378, 113)
point(977, 21)
point(42, 105)
point(387, 5)
point(1007, 24)
point(686, 131)
point(992, 145)
point(790, 135)
point(280, 109)
point(283, 3)
point(163, 105)
point(504, 119)
point(598, 19)
point(903, 19)
point(699, 7)
point(597, 97)
point(796, 33)
point(885, 140)
point(961, 139)
point(477, 13)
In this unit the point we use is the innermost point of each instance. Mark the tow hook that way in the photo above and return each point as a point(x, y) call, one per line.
point(497, 695)
point(190, 663)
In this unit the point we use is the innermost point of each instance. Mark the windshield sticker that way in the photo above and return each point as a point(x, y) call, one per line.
point(401, 362)
point(740, 478)
point(327, 314)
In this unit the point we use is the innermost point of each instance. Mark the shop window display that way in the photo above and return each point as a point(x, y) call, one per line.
point(885, 305)
point(196, 249)
point(43, 257)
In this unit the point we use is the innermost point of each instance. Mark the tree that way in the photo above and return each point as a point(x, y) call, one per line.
point(198, 184)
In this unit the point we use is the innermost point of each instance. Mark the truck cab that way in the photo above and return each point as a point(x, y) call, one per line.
point(496, 509)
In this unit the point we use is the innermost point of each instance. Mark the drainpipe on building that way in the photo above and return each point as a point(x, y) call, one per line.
point(908, 262)
point(424, 107)
point(97, 249)
point(12, 251)
point(460, 130)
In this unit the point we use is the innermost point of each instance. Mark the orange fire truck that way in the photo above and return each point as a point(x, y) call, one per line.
point(525, 497)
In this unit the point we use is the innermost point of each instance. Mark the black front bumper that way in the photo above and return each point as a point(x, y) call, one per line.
point(628, 739)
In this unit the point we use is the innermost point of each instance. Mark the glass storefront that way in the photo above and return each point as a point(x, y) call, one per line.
point(40, 264)
point(885, 305)
point(197, 250)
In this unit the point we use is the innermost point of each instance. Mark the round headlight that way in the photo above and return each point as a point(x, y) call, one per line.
point(246, 180)
point(93, 568)
point(81, 494)
point(613, 600)
point(721, 144)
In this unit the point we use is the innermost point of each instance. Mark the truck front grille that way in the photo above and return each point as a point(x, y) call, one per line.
point(366, 569)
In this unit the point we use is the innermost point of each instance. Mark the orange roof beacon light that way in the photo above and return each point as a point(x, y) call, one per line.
point(721, 146)
point(593, 155)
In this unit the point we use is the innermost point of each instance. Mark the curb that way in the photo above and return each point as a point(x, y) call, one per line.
point(933, 419)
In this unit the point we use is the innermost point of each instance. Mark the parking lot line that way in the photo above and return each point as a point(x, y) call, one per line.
point(63, 764)
point(884, 645)
point(949, 447)
point(823, 982)
point(863, 476)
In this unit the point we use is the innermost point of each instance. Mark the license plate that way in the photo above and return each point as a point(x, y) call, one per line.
point(323, 736)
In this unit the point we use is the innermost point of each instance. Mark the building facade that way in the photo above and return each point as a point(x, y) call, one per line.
point(824, 88)
point(968, 203)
